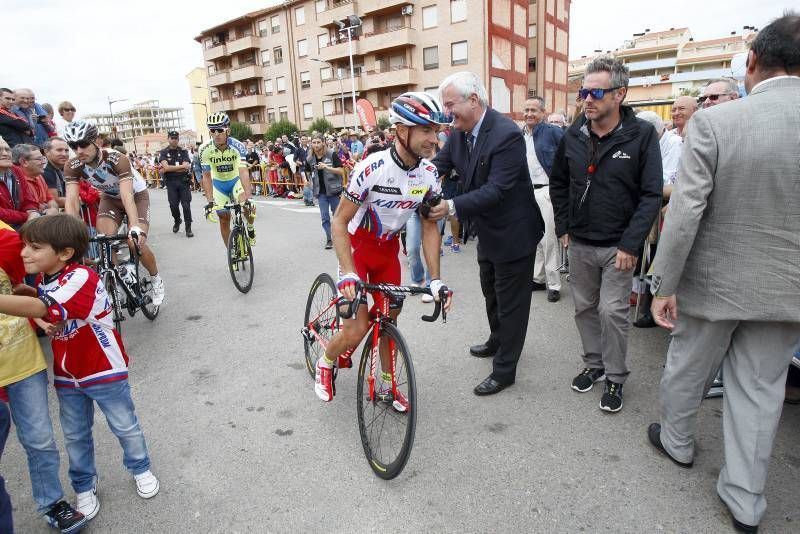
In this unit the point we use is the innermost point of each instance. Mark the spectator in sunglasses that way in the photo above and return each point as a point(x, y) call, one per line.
point(718, 91)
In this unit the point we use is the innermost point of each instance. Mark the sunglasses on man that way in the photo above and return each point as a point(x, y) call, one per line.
point(597, 94)
point(68, 110)
point(79, 144)
point(713, 98)
point(216, 130)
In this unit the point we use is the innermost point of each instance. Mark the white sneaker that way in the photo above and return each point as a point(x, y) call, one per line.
point(88, 504)
point(157, 293)
point(427, 298)
point(146, 485)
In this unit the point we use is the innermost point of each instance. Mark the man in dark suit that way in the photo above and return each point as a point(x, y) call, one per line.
point(498, 205)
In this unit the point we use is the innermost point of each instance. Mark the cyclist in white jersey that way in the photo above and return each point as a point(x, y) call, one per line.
point(383, 191)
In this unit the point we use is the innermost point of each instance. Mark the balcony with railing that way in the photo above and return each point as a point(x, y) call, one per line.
point(392, 37)
point(220, 104)
point(242, 42)
point(391, 76)
point(247, 70)
point(215, 51)
point(220, 77)
point(376, 7)
point(334, 86)
point(337, 10)
point(248, 99)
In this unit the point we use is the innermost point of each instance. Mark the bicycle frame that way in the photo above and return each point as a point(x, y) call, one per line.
point(377, 315)
point(106, 264)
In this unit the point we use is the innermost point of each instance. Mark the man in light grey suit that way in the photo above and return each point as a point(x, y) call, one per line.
point(730, 254)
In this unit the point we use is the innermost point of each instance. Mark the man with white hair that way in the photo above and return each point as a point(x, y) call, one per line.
point(499, 205)
point(557, 119)
point(682, 110)
point(718, 91)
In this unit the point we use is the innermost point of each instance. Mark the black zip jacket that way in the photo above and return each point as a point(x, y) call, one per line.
point(618, 205)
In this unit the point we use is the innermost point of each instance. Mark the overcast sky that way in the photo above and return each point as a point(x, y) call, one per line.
point(143, 50)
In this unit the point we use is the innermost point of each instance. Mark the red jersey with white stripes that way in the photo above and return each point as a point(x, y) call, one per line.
point(89, 350)
point(387, 193)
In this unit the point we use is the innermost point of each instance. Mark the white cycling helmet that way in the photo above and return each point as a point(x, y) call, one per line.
point(417, 108)
point(80, 131)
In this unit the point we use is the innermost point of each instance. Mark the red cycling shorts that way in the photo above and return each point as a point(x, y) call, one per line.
point(377, 262)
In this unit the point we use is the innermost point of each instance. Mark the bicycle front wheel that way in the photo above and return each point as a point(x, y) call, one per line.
point(145, 290)
point(387, 415)
point(240, 259)
point(110, 283)
point(321, 318)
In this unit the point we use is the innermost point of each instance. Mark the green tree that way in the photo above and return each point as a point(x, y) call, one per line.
point(279, 128)
point(241, 131)
point(384, 123)
point(321, 125)
point(694, 91)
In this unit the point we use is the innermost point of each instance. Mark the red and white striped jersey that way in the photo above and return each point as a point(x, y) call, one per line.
point(89, 350)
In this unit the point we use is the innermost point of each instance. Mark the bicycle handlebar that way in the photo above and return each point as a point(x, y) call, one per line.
point(102, 238)
point(444, 293)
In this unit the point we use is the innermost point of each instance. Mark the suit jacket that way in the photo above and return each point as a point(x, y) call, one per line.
point(730, 247)
point(498, 201)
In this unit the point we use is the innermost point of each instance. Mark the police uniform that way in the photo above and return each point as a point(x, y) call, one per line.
point(178, 185)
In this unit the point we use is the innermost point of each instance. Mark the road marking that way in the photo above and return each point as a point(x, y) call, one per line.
point(288, 206)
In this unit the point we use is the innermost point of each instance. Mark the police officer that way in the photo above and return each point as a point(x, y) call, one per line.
point(176, 166)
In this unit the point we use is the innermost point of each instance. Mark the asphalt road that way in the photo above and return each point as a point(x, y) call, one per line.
point(240, 442)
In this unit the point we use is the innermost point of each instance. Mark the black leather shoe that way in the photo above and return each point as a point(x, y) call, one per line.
point(482, 351)
point(189, 232)
point(553, 295)
point(738, 525)
point(489, 387)
point(176, 227)
point(539, 287)
point(654, 435)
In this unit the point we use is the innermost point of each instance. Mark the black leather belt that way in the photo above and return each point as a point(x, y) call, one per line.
point(539, 186)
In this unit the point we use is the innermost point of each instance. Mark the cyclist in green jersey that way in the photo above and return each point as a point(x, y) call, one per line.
point(225, 176)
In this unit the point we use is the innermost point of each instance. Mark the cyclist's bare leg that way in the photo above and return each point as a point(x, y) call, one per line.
point(224, 226)
point(147, 258)
point(351, 334)
point(386, 364)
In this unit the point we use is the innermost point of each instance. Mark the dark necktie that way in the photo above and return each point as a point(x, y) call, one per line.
point(470, 143)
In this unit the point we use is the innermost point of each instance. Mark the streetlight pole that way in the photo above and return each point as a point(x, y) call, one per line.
point(354, 22)
point(341, 85)
point(111, 112)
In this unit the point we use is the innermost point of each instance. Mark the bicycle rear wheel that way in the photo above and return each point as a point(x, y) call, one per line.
point(145, 290)
point(240, 259)
point(110, 283)
point(325, 319)
point(387, 432)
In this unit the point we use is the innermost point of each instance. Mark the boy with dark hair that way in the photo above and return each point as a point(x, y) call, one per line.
point(89, 360)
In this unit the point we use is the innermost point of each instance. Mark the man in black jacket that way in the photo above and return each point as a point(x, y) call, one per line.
point(14, 128)
point(488, 152)
point(606, 188)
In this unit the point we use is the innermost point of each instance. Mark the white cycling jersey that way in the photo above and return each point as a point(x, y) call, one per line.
point(387, 193)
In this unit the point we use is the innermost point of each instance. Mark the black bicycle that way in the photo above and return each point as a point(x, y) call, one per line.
point(127, 283)
point(240, 251)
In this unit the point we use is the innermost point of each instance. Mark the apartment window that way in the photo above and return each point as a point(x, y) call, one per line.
point(429, 17)
point(458, 53)
point(211, 70)
point(268, 86)
point(531, 64)
point(322, 40)
point(325, 73)
point(319, 6)
point(283, 111)
point(327, 107)
point(300, 15)
point(255, 117)
point(430, 57)
point(280, 81)
point(275, 22)
point(302, 48)
point(531, 31)
point(208, 43)
point(265, 59)
point(271, 115)
point(261, 27)
point(214, 95)
point(308, 111)
point(277, 55)
point(458, 10)
point(305, 80)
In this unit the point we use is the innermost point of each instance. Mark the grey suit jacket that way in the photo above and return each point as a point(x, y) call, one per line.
point(730, 247)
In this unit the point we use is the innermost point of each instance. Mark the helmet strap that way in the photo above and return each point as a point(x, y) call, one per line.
point(407, 147)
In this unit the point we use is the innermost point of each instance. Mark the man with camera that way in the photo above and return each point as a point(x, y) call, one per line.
point(176, 166)
point(327, 176)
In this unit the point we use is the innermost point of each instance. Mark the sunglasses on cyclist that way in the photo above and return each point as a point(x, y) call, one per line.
point(713, 98)
point(216, 130)
point(80, 144)
point(597, 94)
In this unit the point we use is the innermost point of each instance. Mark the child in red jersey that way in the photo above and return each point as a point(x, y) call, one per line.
point(89, 360)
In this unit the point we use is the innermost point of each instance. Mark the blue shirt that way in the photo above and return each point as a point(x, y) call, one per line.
point(477, 128)
point(39, 130)
point(356, 147)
